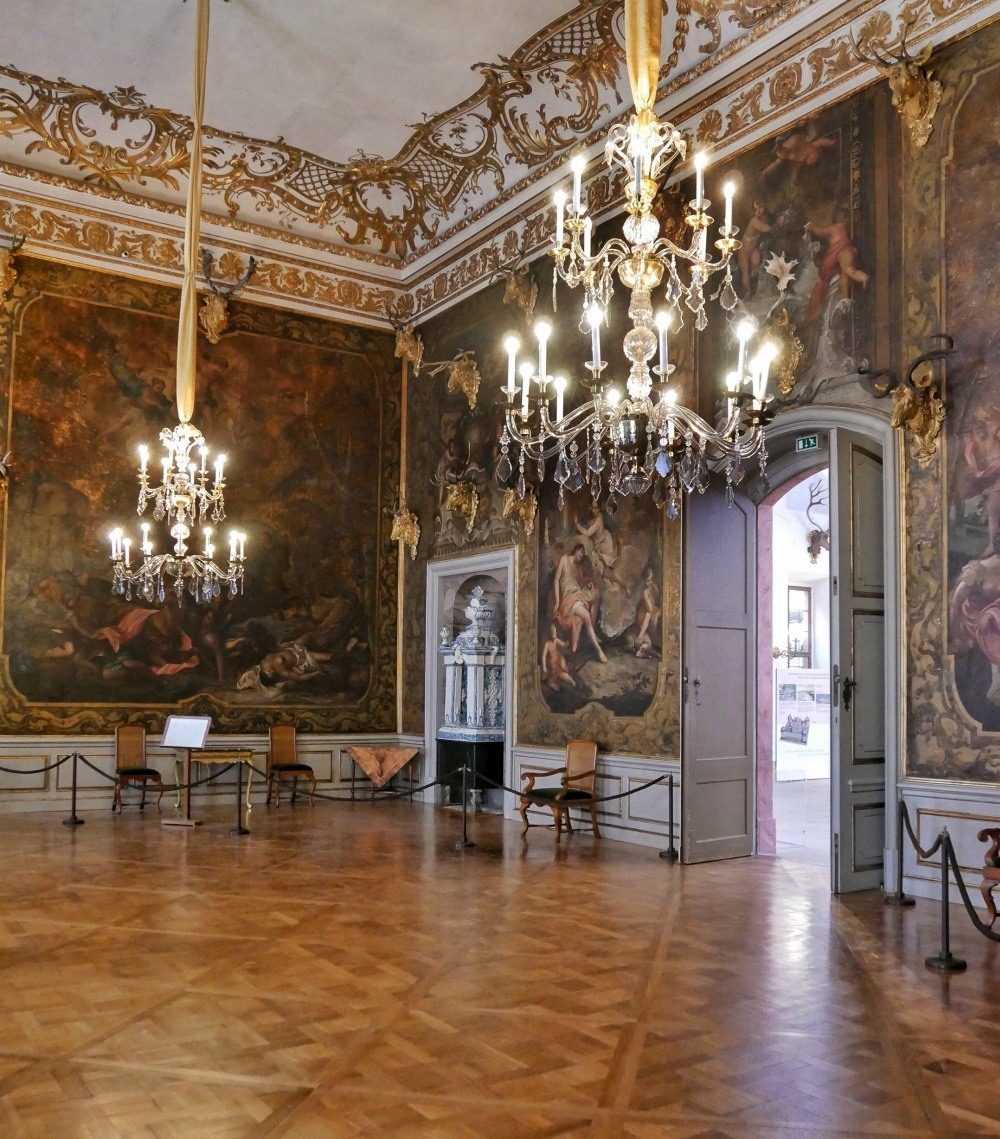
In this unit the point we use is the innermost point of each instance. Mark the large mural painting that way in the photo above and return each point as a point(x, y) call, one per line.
point(309, 430)
point(972, 239)
point(804, 267)
point(600, 603)
point(951, 236)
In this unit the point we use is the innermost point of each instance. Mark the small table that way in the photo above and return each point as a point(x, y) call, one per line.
point(380, 764)
point(212, 756)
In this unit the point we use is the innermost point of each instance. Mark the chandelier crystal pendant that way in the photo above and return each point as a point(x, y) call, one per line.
point(641, 438)
point(188, 496)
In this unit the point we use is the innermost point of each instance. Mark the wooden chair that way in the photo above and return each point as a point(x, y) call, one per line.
point(991, 870)
point(130, 765)
point(283, 763)
point(576, 788)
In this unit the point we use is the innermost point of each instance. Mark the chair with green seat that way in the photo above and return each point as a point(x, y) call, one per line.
point(283, 763)
point(130, 765)
point(576, 788)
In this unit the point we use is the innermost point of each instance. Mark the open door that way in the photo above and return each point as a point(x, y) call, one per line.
point(857, 657)
point(717, 758)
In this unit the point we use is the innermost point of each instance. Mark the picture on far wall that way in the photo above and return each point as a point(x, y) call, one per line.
point(300, 425)
point(600, 605)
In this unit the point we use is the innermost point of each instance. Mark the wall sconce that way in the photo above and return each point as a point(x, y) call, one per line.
point(918, 401)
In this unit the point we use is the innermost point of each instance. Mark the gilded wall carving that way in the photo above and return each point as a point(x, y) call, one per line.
point(313, 635)
point(952, 518)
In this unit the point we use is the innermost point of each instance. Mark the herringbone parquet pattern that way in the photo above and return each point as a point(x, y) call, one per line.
point(344, 973)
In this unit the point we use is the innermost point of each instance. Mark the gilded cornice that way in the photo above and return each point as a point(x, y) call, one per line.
point(429, 266)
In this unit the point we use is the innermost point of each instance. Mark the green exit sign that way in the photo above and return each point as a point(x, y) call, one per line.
point(807, 443)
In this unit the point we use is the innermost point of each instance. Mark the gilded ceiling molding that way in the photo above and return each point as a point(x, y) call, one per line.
point(94, 240)
point(115, 141)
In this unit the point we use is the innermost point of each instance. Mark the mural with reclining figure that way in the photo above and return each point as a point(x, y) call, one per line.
point(305, 413)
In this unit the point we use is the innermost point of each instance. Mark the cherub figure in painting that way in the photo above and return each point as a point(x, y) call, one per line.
point(555, 668)
point(840, 258)
point(576, 600)
point(749, 254)
point(798, 150)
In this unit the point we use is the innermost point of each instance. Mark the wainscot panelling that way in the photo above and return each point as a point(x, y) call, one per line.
point(964, 809)
point(50, 791)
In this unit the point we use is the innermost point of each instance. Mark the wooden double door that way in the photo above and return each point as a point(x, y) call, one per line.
point(719, 670)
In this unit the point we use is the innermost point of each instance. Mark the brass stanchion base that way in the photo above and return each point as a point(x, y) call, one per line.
point(73, 822)
point(670, 855)
point(899, 900)
point(945, 964)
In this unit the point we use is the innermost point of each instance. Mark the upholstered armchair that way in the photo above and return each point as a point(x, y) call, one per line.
point(576, 788)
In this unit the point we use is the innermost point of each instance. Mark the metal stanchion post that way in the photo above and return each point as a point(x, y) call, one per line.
point(239, 829)
point(899, 898)
point(943, 962)
point(465, 843)
point(73, 820)
point(670, 854)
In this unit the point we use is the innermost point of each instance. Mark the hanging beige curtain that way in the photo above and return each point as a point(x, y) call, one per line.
point(643, 22)
point(187, 331)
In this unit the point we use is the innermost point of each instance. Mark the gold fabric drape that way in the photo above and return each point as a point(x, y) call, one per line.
point(187, 331)
point(643, 23)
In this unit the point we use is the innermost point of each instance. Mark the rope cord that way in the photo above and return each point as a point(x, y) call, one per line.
point(35, 770)
point(166, 786)
point(587, 802)
point(932, 849)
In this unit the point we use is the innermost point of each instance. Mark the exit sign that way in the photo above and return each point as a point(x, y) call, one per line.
point(807, 443)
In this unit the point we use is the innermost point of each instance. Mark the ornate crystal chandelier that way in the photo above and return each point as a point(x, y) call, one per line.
point(187, 495)
point(640, 438)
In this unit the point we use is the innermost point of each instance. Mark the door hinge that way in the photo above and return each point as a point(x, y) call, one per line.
point(835, 686)
point(833, 584)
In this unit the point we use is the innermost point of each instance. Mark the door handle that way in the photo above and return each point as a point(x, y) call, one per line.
point(684, 696)
point(849, 686)
point(697, 690)
point(835, 686)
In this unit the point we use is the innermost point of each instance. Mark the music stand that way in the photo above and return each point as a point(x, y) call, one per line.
point(186, 733)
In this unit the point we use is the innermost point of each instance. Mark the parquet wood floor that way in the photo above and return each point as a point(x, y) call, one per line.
point(343, 972)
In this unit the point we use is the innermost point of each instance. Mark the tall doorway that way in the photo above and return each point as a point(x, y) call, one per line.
point(794, 570)
point(728, 757)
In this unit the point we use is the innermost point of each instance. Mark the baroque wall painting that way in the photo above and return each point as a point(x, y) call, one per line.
point(304, 412)
point(600, 602)
point(628, 705)
point(804, 271)
point(951, 238)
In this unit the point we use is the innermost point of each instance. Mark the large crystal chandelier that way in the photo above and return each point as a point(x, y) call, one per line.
point(188, 495)
point(630, 441)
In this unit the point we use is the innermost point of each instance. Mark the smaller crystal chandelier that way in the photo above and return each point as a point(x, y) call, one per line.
point(188, 496)
point(630, 441)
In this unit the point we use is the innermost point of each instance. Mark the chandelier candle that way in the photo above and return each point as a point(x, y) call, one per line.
point(616, 438)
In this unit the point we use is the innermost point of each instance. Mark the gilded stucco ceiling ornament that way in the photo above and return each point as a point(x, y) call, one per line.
point(463, 375)
point(916, 94)
point(522, 510)
point(9, 245)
